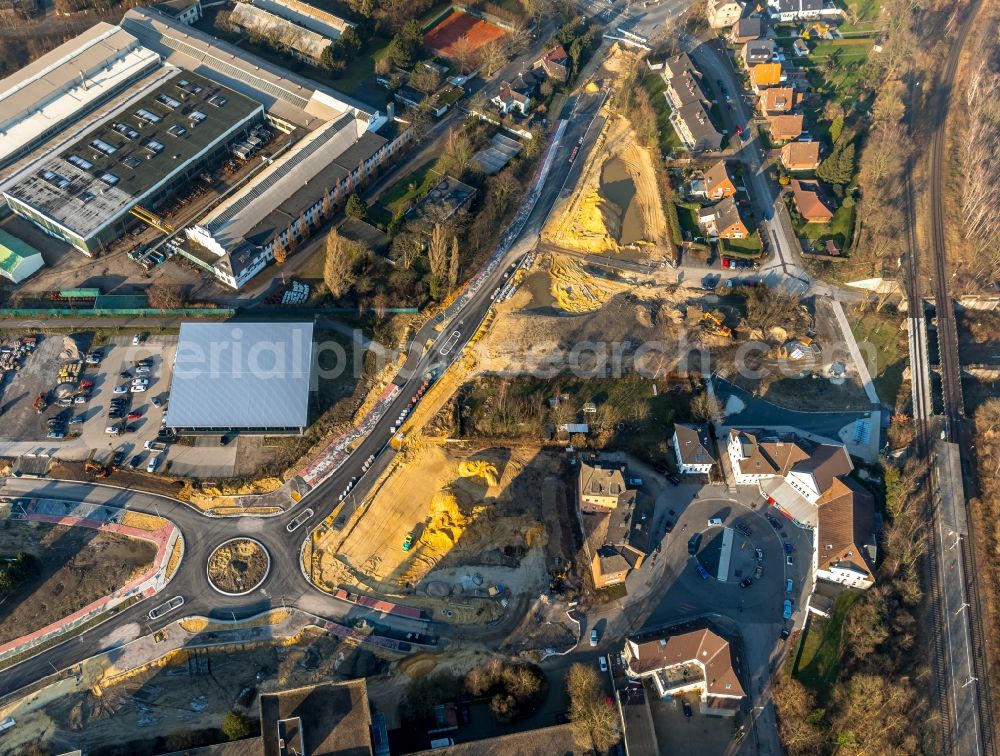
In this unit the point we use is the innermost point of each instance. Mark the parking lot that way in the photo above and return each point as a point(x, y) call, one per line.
point(676, 733)
point(86, 424)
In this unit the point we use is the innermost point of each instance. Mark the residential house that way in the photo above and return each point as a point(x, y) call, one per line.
point(722, 220)
point(722, 14)
point(801, 10)
point(747, 29)
point(18, 259)
point(601, 487)
point(555, 63)
point(618, 538)
point(800, 156)
point(698, 661)
point(185, 11)
point(515, 95)
point(693, 449)
point(809, 202)
point(718, 183)
point(684, 89)
point(695, 129)
point(777, 100)
point(811, 484)
point(758, 51)
point(800, 48)
point(784, 128)
point(845, 548)
point(677, 65)
point(765, 75)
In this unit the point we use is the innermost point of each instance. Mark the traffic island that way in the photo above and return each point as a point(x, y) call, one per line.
point(238, 566)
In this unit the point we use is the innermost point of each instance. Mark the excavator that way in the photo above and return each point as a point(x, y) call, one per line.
point(717, 324)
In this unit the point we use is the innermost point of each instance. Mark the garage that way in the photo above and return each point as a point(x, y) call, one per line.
point(241, 377)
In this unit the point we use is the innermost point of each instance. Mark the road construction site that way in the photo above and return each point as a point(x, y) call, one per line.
point(456, 531)
point(615, 204)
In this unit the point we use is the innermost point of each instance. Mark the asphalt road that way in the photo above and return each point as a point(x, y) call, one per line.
point(286, 584)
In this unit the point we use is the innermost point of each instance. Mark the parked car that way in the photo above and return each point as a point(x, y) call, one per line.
point(408, 542)
point(140, 369)
point(702, 572)
point(789, 561)
point(668, 527)
point(55, 435)
point(138, 339)
point(122, 389)
point(154, 462)
point(746, 582)
point(138, 389)
point(118, 458)
point(715, 522)
point(760, 555)
point(154, 446)
point(603, 662)
point(687, 710)
point(787, 614)
point(155, 401)
point(788, 585)
point(693, 543)
point(124, 374)
point(135, 461)
point(94, 358)
point(140, 381)
point(788, 547)
point(134, 415)
point(674, 479)
point(785, 632)
point(593, 637)
point(76, 420)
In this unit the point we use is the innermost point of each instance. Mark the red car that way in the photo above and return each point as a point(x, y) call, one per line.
point(739, 130)
point(134, 415)
point(725, 262)
point(86, 384)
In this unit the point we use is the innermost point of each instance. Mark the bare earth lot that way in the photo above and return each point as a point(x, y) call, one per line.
point(78, 566)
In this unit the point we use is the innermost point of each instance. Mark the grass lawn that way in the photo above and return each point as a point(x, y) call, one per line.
point(687, 214)
point(839, 229)
point(842, 80)
point(655, 87)
point(883, 347)
point(818, 661)
point(749, 248)
point(410, 188)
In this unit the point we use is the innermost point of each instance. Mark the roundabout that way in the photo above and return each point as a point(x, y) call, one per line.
point(238, 566)
point(728, 554)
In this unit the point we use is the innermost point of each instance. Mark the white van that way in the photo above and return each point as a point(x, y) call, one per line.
point(715, 521)
point(442, 742)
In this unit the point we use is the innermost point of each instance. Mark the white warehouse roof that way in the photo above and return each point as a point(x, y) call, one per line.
point(253, 376)
point(71, 79)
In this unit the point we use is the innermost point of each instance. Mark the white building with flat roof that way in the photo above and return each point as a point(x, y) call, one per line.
point(57, 89)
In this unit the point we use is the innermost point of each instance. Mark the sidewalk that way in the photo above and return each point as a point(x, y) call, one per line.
point(147, 584)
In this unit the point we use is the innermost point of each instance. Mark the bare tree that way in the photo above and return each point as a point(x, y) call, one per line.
point(166, 296)
point(453, 265)
point(464, 54)
point(592, 716)
point(437, 251)
point(338, 267)
point(492, 57)
point(406, 247)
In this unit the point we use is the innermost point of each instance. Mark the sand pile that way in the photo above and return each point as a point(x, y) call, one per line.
point(469, 468)
point(446, 522)
point(574, 290)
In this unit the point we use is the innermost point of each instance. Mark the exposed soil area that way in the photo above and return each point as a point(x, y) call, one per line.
point(238, 566)
point(183, 704)
point(475, 519)
point(78, 566)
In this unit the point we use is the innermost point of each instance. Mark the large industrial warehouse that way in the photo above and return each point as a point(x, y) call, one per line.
point(246, 377)
point(82, 193)
point(120, 120)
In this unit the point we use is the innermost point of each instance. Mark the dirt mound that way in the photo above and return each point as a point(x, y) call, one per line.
point(574, 290)
point(479, 468)
point(238, 566)
point(446, 521)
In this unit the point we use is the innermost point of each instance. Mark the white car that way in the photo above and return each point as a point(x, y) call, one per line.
point(604, 663)
point(123, 389)
point(154, 462)
point(114, 430)
point(140, 381)
point(142, 369)
point(79, 400)
point(138, 389)
point(154, 446)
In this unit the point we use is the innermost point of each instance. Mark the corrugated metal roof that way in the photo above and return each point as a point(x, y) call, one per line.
point(13, 251)
point(241, 375)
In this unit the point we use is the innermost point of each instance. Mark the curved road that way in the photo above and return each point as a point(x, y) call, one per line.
point(287, 585)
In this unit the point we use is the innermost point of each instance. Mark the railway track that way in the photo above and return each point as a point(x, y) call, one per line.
point(936, 112)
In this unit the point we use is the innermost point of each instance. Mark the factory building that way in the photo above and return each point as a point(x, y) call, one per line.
point(83, 192)
point(55, 91)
